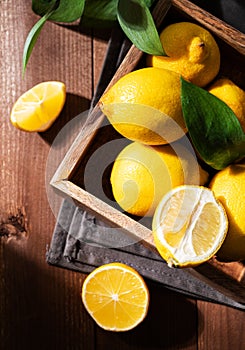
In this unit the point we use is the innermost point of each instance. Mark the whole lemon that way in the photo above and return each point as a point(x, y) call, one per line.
point(228, 186)
point(145, 106)
point(142, 174)
point(191, 51)
point(232, 95)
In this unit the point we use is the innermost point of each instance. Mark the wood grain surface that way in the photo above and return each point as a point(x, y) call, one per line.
point(40, 306)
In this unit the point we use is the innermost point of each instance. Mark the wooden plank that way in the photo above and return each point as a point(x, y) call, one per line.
point(40, 307)
point(220, 327)
point(230, 35)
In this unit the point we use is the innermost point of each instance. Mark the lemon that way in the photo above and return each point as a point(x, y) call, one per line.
point(228, 186)
point(116, 297)
point(38, 108)
point(232, 95)
point(189, 226)
point(191, 51)
point(142, 174)
point(145, 106)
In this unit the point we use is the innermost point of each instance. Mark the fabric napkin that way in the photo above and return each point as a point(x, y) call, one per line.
point(82, 242)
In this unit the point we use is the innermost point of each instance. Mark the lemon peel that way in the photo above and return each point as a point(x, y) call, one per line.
point(142, 174)
point(227, 91)
point(191, 51)
point(228, 186)
point(145, 106)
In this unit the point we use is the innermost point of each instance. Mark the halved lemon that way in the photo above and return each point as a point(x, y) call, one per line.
point(189, 226)
point(38, 108)
point(116, 297)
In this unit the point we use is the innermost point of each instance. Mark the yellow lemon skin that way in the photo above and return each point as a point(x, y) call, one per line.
point(228, 186)
point(142, 174)
point(191, 51)
point(232, 95)
point(145, 106)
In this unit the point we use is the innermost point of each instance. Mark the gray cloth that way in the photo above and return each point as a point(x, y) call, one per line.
point(81, 242)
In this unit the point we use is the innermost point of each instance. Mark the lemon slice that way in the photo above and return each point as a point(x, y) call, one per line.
point(189, 226)
point(116, 297)
point(38, 107)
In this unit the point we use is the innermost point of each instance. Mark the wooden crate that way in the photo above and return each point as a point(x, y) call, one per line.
point(84, 173)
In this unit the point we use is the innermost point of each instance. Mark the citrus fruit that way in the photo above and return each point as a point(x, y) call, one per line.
point(191, 51)
point(228, 186)
point(116, 296)
point(189, 226)
point(232, 95)
point(142, 174)
point(38, 107)
point(145, 106)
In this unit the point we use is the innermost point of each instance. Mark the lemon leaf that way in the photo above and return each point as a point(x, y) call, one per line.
point(65, 11)
point(32, 38)
point(137, 23)
point(43, 6)
point(213, 127)
point(99, 13)
point(149, 3)
point(102, 13)
point(61, 11)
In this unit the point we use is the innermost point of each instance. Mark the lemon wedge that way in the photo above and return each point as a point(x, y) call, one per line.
point(189, 226)
point(38, 108)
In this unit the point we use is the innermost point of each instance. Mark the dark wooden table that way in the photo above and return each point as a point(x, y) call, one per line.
point(40, 305)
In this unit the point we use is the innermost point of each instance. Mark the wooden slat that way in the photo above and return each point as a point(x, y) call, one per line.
point(230, 35)
point(220, 327)
point(40, 307)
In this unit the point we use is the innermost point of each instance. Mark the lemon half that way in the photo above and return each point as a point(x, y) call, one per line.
point(189, 226)
point(116, 297)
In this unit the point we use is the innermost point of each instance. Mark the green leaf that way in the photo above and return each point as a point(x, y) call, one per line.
point(65, 11)
point(149, 3)
point(213, 127)
point(41, 7)
point(32, 38)
point(102, 13)
point(137, 23)
point(55, 10)
point(99, 13)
